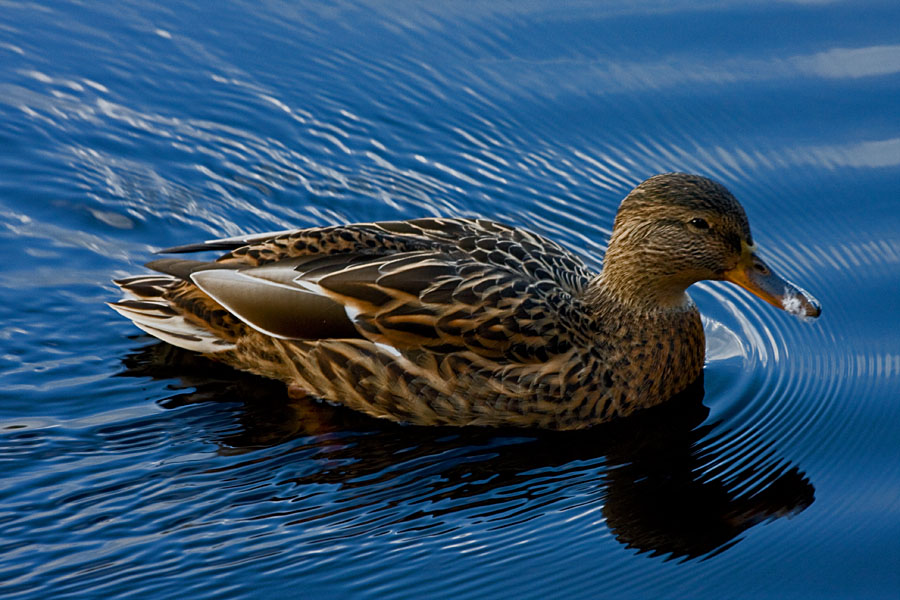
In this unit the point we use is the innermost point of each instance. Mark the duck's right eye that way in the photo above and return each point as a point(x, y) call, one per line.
point(699, 223)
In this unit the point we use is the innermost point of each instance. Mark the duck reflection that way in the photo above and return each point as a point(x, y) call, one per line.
point(666, 480)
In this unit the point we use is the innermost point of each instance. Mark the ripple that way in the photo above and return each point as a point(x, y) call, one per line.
point(166, 475)
point(800, 377)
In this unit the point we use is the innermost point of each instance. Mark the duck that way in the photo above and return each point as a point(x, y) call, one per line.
point(468, 322)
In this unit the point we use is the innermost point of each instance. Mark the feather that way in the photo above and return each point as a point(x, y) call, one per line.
point(441, 321)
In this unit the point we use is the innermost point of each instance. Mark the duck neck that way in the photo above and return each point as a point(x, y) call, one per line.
point(625, 283)
point(655, 339)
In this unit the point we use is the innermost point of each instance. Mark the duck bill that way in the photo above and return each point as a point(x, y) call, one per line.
point(756, 277)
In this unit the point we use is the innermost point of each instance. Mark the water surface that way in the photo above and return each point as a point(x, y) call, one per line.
point(131, 468)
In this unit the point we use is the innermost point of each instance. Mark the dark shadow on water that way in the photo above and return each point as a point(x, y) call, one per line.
point(666, 487)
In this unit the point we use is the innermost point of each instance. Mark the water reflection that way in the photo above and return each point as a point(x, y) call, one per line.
point(663, 486)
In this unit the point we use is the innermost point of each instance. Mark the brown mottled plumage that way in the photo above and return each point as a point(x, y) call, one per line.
point(468, 322)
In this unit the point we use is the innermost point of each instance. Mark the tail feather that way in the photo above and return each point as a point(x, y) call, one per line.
point(156, 316)
point(146, 286)
point(182, 268)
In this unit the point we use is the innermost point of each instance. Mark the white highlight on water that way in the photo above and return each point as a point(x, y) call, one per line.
point(793, 304)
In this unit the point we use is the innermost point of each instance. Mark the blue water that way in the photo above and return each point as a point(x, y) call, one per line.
point(130, 469)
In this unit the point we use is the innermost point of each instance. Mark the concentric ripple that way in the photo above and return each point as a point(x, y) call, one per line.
point(131, 469)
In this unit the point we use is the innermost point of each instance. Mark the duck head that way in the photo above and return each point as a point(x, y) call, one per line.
point(676, 229)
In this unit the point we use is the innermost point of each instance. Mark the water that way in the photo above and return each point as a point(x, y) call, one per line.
point(130, 468)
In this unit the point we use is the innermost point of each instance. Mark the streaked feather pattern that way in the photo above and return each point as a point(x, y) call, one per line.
point(458, 321)
point(433, 321)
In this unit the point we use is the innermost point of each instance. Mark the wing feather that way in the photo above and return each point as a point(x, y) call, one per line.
point(444, 285)
point(275, 308)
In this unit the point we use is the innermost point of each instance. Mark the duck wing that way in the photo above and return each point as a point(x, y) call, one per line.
point(482, 239)
point(441, 285)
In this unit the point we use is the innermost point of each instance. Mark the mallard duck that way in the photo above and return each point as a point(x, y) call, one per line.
point(450, 321)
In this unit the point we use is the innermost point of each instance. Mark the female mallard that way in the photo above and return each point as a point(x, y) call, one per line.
point(468, 322)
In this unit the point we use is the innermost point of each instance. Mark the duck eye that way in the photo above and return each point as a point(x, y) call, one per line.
point(699, 223)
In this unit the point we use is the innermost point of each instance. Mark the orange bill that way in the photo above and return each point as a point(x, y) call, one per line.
point(756, 277)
